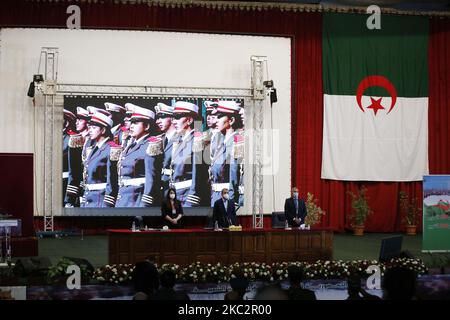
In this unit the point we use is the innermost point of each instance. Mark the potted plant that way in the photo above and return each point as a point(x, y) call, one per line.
point(57, 274)
point(314, 212)
point(361, 210)
point(411, 212)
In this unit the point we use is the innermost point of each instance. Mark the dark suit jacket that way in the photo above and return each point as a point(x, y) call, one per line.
point(222, 216)
point(289, 211)
point(166, 211)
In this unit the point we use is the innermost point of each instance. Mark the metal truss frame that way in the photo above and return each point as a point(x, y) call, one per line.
point(149, 91)
point(49, 61)
point(51, 89)
point(259, 68)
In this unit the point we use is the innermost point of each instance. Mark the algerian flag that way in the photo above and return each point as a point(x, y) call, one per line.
point(375, 86)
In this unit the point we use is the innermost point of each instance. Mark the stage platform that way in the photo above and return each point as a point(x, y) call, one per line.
point(191, 245)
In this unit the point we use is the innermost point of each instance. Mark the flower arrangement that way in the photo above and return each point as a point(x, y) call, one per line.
point(254, 271)
point(315, 213)
point(117, 273)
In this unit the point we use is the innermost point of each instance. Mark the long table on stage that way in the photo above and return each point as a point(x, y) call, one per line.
point(186, 246)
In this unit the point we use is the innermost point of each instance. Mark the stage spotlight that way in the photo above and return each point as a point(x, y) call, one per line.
point(268, 83)
point(38, 78)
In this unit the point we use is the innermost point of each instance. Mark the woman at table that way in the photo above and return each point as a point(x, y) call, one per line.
point(171, 210)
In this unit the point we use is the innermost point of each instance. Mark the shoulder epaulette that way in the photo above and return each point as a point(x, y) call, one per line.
point(155, 146)
point(199, 141)
point(207, 137)
point(239, 146)
point(115, 151)
point(76, 141)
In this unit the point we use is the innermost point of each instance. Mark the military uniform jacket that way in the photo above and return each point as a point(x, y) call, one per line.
point(132, 174)
point(239, 156)
point(74, 188)
point(186, 166)
point(66, 137)
point(101, 179)
point(165, 173)
point(153, 164)
point(224, 171)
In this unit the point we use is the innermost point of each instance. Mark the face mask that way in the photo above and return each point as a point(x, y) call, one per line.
point(172, 196)
point(226, 196)
point(295, 194)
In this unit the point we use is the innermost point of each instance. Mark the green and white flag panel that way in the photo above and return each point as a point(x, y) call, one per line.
point(375, 98)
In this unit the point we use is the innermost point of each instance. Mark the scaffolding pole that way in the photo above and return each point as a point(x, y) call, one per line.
point(49, 61)
point(259, 65)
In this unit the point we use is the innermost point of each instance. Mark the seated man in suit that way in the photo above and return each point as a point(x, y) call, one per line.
point(295, 209)
point(224, 211)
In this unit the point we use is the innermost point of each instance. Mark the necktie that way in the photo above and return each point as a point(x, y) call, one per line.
point(296, 205)
point(93, 151)
point(131, 146)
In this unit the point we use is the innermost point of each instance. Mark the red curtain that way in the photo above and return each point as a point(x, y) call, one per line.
point(16, 188)
point(307, 105)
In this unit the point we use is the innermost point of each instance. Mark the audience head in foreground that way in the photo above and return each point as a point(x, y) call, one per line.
point(399, 284)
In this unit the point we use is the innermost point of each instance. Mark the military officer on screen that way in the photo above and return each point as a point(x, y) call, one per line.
point(224, 168)
point(117, 116)
point(239, 147)
point(68, 130)
point(186, 155)
point(77, 143)
point(89, 143)
point(132, 165)
point(159, 156)
point(100, 167)
point(213, 136)
point(125, 136)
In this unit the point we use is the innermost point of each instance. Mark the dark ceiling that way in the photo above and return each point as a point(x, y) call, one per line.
point(419, 5)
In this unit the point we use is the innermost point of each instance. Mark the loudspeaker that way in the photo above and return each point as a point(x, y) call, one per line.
point(273, 96)
point(30, 92)
point(32, 266)
point(82, 262)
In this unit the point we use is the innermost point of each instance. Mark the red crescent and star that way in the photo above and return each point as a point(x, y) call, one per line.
point(378, 81)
